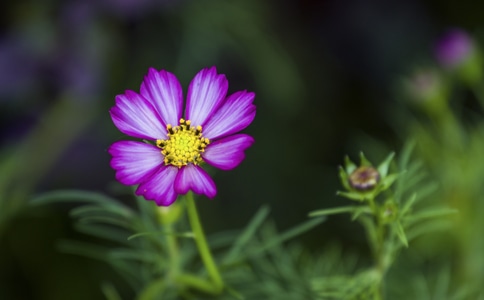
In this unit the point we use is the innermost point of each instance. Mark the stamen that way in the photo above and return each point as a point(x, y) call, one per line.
point(184, 144)
point(169, 128)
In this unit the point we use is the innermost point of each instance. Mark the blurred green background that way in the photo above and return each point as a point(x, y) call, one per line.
point(324, 74)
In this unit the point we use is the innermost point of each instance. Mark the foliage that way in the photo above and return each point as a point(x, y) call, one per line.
point(160, 261)
point(391, 212)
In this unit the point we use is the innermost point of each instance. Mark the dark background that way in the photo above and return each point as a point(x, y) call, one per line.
point(324, 74)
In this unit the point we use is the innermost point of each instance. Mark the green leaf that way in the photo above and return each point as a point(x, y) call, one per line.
point(247, 234)
point(344, 178)
point(137, 255)
point(442, 284)
point(408, 204)
point(427, 227)
point(110, 291)
point(103, 231)
point(383, 167)
point(427, 189)
point(349, 165)
point(360, 210)
point(405, 155)
point(430, 213)
point(128, 271)
point(147, 214)
point(351, 195)
point(154, 290)
point(234, 293)
point(370, 231)
point(287, 235)
point(177, 234)
point(106, 220)
point(388, 181)
point(400, 233)
point(332, 211)
point(114, 211)
point(364, 161)
point(347, 287)
point(70, 196)
point(414, 176)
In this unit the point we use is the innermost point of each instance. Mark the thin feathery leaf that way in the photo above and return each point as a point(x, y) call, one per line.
point(103, 231)
point(247, 234)
point(177, 234)
point(276, 240)
point(332, 211)
point(429, 213)
point(401, 234)
point(110, 291)
point(384, 165)
point(70, 196)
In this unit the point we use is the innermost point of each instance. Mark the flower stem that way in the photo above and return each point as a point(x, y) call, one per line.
point(197, 283)
point(202, 245)
point(173, 251)
point(379, 248)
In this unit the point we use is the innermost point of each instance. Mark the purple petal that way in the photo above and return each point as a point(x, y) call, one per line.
point(160, 187)
point(192, 177)
point(205, 94)
point(135, 116)
point(134, 162)
point(163, 90)
point(227, 153)
point(234, 115)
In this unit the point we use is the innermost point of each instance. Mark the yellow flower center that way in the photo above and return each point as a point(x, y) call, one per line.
point(184, 145)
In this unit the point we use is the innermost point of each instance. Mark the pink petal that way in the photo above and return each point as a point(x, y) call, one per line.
point(135, 116)
point(234, 115)
point(205, 94)
point(192, 177)
point(163, 90)
point(160, 187)
point(227, 153)
point(134, 162)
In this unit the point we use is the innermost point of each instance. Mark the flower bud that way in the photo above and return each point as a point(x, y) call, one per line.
point(364, 178)
point(426, 89)
point(169, 214)
point(389, 212)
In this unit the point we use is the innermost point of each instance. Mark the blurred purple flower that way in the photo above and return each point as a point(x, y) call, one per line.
point(69, 58)
point(80, 75)
point(453, 48)
point(78, 58)
point(207, 134)
point(19, 67)
point(76, 14)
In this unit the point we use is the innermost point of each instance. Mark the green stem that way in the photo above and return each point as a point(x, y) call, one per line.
point(202, 245)
point(198, 283)
point(379, 233)
point(173, 252)
point(379, 247)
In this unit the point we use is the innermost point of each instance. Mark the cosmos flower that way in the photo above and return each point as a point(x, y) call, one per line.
point(453, 48)
point(179, 144)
